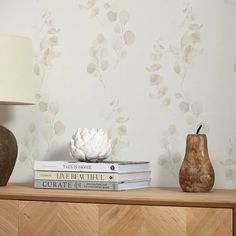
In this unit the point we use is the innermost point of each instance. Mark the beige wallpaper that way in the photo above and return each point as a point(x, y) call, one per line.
point(148, 72)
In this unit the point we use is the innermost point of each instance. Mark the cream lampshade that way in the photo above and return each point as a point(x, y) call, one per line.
point(16, 87)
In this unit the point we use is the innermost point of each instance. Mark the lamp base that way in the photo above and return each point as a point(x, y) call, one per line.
point(8, 154)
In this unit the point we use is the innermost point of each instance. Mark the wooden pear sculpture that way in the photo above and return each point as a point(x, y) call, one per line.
point(196, 172)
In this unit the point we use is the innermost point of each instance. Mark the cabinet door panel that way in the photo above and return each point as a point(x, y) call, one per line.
point(8, 217)
point(209, 222)
point(118, 220)
point(62, 219)
point(59, 219)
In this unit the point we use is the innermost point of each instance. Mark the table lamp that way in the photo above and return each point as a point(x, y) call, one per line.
point(16, 88)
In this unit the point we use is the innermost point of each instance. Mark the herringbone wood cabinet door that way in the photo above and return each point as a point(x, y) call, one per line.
point(57, 219)
point(8, 218)
point(62, 219)
point(120, 220)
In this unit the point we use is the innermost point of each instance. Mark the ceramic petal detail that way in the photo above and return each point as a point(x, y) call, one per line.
point(90, 145)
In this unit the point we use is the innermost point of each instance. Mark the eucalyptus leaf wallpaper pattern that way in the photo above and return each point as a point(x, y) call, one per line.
point(148, 72)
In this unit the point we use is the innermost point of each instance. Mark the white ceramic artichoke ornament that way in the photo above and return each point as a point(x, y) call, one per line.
point(90, 145)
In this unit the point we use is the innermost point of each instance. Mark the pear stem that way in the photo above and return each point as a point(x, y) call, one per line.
point(199, 129)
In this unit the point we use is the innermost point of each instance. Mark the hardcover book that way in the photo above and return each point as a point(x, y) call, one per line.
point(112, 186)
point(91, 176)
point(106, 166)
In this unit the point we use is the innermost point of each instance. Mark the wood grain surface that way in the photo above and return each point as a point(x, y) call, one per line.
point(145, 212)
point(57, 219)
point(75, 219)
point(146, 196)
point(8, 218)
point(234, 221)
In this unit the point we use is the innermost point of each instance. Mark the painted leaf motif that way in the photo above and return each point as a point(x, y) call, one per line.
point(129, 37)
point(59, 128)
point(107, 6)
point(53, 30)
point(121, 119)
point(53, 41)
point(36, 69)
point(23, 156)
point(178, 95)
point(122, 130)
point(162, 91)
point(163, 160)
point(195, 26)
point(43, 106)
point(155, 79)
point(153, 67)
point(184, 106)
point(112, 16)
point(166, 102)
point(195, 37)
point(189, 54)
point(87, 4)
point(177, 68)
point(95, 12)
point(123, 17)
point(91, 68)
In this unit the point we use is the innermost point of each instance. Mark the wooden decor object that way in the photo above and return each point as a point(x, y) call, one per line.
point(196, 172)
point(8, 154)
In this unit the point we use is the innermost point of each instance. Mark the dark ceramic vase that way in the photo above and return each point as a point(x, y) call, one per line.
point(196, 172)
point(8, 154)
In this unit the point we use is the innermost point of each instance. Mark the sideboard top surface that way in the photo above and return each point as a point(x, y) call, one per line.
point(146, 196)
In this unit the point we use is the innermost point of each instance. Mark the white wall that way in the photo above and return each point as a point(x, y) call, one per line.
point(148, 72)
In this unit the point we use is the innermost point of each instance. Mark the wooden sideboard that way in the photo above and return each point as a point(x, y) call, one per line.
point(26, 211)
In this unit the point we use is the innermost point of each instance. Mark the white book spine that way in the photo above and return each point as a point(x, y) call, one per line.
point(75, 185)
point(75, 166)
point(76, 176)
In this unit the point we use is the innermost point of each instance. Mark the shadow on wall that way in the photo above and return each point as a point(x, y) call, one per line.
point(6, 114)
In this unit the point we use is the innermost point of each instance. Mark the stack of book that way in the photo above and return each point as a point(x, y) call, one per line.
point(106, 175)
